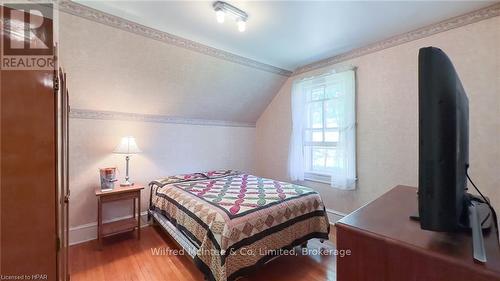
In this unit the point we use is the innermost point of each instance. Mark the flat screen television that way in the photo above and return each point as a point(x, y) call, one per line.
point(443, 142)
point(443, 203)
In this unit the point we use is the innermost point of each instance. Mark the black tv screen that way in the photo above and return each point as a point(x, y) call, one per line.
point(443, 142)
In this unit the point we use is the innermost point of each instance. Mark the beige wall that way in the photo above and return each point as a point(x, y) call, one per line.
point(387, 116)
point(167, 149)
point(116, 70)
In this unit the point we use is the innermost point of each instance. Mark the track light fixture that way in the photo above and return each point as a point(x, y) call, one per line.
point(223, 9)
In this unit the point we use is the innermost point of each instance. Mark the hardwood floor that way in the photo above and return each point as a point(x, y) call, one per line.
point(125, 258)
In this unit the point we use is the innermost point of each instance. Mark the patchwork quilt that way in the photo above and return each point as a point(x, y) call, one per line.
point(238, 221)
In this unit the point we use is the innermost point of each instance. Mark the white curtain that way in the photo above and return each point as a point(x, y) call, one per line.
point(296, 151)
point(344, 175)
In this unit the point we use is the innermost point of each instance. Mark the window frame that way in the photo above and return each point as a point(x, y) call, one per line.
point(308, 146)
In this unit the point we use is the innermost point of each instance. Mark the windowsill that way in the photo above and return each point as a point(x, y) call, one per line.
point(317, 181)
point(317, 177)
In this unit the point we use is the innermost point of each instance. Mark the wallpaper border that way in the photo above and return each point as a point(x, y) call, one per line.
point(80, 10)
point(88, 13)
point(445, 25)
point(138, 117)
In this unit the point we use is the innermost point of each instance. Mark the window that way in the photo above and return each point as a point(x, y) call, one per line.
point(323, 134)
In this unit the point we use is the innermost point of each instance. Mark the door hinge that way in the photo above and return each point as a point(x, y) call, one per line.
point(58, 244)
point(56, 83)
point(67, 196)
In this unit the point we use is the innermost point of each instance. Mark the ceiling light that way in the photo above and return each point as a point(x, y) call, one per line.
point(241, 25)
point(220, 16)
point(222, 9)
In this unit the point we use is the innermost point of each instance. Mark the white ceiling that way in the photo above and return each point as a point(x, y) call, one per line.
point(288, 34)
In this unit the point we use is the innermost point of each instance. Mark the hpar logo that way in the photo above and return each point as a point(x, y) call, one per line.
point(27, 36)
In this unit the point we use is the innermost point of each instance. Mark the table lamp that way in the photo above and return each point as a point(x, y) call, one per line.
point(127, 146)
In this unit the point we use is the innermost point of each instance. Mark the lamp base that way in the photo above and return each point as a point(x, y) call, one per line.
point(126, 183)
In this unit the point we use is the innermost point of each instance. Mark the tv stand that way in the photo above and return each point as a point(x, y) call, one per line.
point(387, 246)
point(480, 218)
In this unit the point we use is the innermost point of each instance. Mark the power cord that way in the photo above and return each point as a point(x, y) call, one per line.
point(485, 201)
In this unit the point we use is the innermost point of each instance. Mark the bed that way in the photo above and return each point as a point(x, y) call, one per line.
point(231, 222)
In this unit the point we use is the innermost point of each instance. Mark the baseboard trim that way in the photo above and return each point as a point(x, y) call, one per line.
point(334, 216)
point(87, 232)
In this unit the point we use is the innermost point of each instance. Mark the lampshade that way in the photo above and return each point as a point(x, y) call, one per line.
point(127, 146)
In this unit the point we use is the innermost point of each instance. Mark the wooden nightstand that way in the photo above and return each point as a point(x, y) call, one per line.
point(119, 193)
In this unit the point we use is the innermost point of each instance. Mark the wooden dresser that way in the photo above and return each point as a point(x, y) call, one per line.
point(386, 245)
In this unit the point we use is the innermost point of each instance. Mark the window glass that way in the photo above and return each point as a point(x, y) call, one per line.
point(318, 94)
point(330, 120)
point(318, 158)
point(331, 136)
point(317, 136)
point(330, 158)
point(316, 115)
point(331, 92)
point(322, 159)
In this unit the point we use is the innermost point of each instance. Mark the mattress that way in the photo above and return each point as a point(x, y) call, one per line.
point(238, 221)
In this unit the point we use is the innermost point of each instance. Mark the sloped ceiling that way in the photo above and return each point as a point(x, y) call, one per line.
point(139, 66)
point(110, 69)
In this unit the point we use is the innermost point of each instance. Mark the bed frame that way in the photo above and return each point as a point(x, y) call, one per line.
point(174, 233)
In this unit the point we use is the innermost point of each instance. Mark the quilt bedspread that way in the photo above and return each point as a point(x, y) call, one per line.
point(239, 221)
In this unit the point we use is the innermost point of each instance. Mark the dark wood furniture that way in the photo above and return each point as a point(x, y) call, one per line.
point(386, 245)
point(119, 193)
